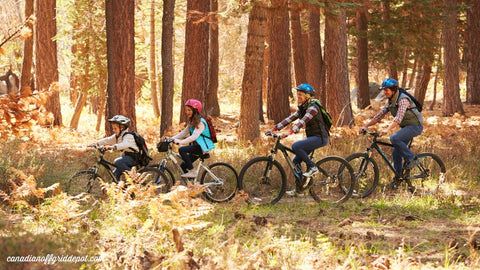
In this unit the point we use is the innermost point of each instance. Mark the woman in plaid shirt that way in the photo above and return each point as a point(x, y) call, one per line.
point(410, 120)
point(310, 117)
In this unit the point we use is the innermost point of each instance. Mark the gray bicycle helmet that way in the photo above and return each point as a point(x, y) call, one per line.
point(120, 119)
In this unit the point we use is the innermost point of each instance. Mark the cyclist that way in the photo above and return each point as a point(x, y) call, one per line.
point(120, 141)
point(410, 120)
point(317, 135)
point(196, 134)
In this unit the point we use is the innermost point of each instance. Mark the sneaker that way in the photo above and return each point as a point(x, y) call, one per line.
point(190, 174)
point(311, 172)
point(292, 192)
point(394, 184)
point(412, 163)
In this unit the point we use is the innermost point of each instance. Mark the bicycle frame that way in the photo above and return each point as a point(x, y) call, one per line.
point(105, 163)
point(175, 157)
point(284, 149)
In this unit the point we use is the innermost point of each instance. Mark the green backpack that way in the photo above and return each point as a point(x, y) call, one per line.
point(327, 118)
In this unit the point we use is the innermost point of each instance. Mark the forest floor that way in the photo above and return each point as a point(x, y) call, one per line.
point(388, 230)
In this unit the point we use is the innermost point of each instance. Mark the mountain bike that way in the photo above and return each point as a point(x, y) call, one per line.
point(88, 180)
point(425, 178)
point(220, 179)
point(264, 178)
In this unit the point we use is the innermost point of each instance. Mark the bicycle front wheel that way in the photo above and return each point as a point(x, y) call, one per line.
point(335, 181)
point(263, 180)
point(84, 181)
point(366, 174)
point(221, 181)
point(156, 178)
point(428, 176)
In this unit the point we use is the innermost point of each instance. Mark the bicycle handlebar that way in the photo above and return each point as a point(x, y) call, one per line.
point(374, 134)
point(100, 148)
point(276, 136)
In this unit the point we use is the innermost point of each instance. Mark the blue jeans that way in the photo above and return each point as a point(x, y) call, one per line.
point(124, 163)
point(304, 147)
point(400, 150)
point(189, 154)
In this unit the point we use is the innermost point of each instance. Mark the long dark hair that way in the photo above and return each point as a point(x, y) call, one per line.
point(195, 119)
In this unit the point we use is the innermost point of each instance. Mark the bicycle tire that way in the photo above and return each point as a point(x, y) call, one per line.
point(335, 181)
point(166, 171)
point(86, 181)
point(428, 176)
point(224, 190)
point(262, 189)
point(367, 174)
point(157, 178)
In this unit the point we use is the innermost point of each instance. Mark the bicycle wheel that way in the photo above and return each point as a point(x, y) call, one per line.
point(156, 178)
point(428, 176)
point(335, 181)
point(366, 174)
point(263, 180)
point(84, 181)
point(221, 181)
point(166, 171)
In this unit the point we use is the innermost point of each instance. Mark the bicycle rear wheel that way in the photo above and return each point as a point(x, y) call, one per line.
point(84, 181)
point(335, 181)
point(366, 174)
point(428, 176)
point(263, 180)
point(156, 178)
point(221, 181)
point(167, 171)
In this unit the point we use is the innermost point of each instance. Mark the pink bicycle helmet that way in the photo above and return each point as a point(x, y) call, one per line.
point(194, 103)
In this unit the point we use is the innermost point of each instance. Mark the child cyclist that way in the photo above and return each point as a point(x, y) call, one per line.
point(196, 134)
point(317, 135)
point(122, 142)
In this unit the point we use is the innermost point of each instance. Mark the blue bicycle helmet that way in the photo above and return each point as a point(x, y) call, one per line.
point(306, 88)
point(389, 83)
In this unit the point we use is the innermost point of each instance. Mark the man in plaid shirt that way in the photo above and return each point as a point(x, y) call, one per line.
point(310, 117)
point(408, 117)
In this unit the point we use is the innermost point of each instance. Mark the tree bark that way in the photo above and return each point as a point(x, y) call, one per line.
point(363, 93)
point(212, 106)
point(167, 65)
point(252, 77)
point(153, 64)
point(451, 88)
point(391, 55)
point(315, 66)
point(338, 96)
point(25, 82)
point(279, 76)
point(46, 64)
point(195, 68)
point(121, 61)
point(473, 53)
point(297, 44)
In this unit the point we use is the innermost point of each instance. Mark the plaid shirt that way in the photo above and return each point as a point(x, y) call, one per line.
point(309, 114)
point(403, 105)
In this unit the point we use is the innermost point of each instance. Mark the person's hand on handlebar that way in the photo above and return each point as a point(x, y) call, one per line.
point(362, 130)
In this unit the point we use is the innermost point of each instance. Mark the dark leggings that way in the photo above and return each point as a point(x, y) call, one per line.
point(189, 154)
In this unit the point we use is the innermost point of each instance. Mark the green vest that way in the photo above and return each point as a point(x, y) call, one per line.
point(412, 116)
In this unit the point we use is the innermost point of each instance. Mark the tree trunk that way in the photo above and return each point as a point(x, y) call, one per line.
point(25, 83)
point(391, 55)
point(363, 93)
point(435, 81)
point(121, 61)
point(414, 72)
point(315, 65)
point(338, 96)
point(252, 77)
point(153, 64)
point(421, 83)
point(297, 44)
point(473, 63)
point(406, 63)
point(195, 68)
point(451, 88)
point(81, 101)
point(279, 76)
point(167, 65)
point(212, 106)
point(46, 55)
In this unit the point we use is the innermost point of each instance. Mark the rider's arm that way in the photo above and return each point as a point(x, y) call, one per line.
point(380, 114)
point(184, 133)
point(287, 121)
point(196, 132)
point(107, 140)
point(309, 114)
